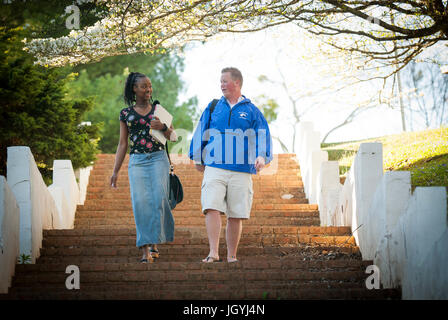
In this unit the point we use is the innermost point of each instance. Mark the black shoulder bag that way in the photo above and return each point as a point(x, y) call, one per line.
point(175, 188)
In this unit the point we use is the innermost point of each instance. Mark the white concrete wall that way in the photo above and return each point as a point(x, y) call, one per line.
point(60, 220)
point(390, 200)
point(82, 175)
point(328, 189)
point(414, 254)
point(404, 234)
point(64, 177)
point(317, 158)
point(28, 206)
point(36, 204)
point(368, 173)
point(9, 235)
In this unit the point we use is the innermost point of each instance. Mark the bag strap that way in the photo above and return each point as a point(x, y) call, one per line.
point(168, 154)
point(212, 108)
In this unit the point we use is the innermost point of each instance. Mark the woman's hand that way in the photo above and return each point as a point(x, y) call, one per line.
point(113, 180)
point(156, 124)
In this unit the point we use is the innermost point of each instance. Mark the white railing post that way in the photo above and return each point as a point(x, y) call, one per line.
point(32, 197)
point(317, 157)
point(9, 234)
point(368, 172)
point(64, 177)
point(328, 189)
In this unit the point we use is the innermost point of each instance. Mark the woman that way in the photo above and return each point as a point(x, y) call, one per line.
point(148, 166)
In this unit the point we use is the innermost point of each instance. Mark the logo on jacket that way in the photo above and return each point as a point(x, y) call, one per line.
point(243, 115)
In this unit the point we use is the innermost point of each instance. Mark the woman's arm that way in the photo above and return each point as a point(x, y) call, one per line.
point(120, 154)
point(170, 134)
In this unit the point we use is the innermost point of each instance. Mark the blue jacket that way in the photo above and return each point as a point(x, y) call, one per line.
point(234, 138)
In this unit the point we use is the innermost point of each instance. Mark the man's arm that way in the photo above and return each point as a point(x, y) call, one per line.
point(264, 141)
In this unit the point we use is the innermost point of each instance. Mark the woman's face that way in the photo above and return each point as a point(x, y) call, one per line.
point(143, 88)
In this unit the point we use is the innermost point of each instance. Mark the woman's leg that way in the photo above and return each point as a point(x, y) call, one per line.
point(146, 254)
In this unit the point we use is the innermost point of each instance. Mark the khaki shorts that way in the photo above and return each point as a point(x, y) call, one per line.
point(229, 192)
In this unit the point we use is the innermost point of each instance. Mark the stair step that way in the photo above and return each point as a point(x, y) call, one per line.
point(216, 291)
point(283, 252)
point(183, 232)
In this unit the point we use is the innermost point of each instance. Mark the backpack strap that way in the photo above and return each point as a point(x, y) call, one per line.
point(212, 108)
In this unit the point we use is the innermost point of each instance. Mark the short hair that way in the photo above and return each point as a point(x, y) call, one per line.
point(234, 73)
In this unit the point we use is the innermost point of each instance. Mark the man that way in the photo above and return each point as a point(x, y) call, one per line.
point(231, 142)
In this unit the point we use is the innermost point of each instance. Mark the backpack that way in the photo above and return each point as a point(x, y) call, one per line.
point(212, 108)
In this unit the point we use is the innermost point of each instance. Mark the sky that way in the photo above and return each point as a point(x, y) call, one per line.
point(305, 69)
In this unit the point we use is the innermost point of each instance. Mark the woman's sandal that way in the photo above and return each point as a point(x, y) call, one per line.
point(154, 253)
point(147, 260)
point(211, 260)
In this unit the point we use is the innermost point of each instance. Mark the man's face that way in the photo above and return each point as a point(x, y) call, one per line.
point(229, 87)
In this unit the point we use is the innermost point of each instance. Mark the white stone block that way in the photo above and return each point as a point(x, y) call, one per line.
point(312, 143)
point(317, 157)
point(18, 177)
point(425, 223)
point(328, 189)
point(83, 175)
point(64, 177)
point(431, 277)
point(303, 127)
point(389, 201)
point(368, 172)
point(62, 207)
point(9, 234)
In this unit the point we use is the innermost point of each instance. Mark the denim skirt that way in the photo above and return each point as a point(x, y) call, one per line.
point(149, 184)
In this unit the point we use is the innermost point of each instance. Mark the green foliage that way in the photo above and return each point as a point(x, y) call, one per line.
point(423, 153)
point(36, 113)
point(268, 107)
point(24, 259)
point(103, 82)
point(47, 18)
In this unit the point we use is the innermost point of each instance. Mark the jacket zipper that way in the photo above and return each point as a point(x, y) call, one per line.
point(230, 116)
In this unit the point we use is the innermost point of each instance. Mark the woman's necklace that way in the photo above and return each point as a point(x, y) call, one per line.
point(142, 106)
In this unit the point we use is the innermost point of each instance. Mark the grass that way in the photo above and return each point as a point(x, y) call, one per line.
point(423, 153)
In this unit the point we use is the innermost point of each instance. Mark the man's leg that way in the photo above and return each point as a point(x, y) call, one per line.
point(213, 225)
point(233, 235)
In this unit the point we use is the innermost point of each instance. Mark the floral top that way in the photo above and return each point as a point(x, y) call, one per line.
point(140, 140)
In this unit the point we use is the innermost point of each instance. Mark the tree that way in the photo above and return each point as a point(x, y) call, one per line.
point(104, 83)
point(426, 90)
point(387, 33)
point(36, 113)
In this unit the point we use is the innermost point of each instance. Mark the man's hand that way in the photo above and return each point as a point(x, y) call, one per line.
point(200, 167)
point(259, 163)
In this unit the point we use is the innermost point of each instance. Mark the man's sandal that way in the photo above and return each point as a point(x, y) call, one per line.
point(211, 260)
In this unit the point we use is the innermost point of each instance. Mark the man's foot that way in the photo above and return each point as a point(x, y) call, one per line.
point(232, 259)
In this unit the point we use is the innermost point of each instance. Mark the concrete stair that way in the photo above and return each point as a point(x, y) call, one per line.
point(283, 253)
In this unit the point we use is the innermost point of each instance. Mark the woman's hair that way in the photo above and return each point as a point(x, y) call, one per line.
point(129, 94)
